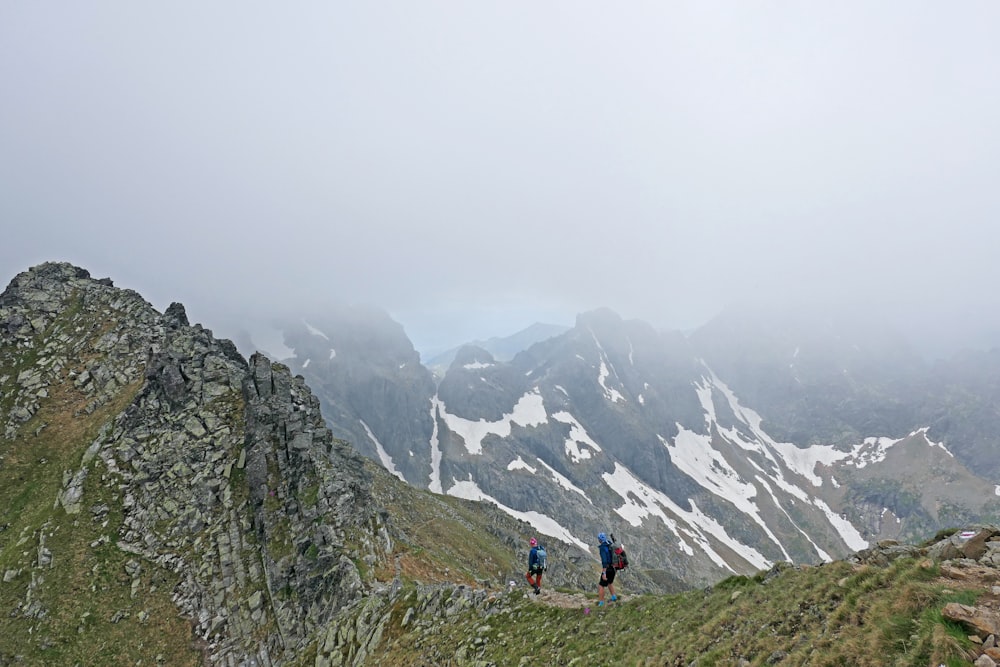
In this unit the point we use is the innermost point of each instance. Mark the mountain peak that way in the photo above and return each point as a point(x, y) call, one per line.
point(473, 356)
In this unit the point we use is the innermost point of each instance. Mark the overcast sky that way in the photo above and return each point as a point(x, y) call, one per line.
point(473, 167)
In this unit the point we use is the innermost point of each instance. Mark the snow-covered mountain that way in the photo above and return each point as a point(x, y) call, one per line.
point(613, 426)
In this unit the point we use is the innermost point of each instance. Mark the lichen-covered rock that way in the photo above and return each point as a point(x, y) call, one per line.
point(223, 469)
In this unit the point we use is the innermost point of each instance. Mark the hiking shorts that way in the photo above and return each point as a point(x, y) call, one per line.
point(607, 577)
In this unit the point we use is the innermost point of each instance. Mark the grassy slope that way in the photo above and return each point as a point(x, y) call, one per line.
point(90, 616)
point(440, 538)
point(832, 615)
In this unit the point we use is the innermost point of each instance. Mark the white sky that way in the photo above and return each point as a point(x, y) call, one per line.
point(475, 167)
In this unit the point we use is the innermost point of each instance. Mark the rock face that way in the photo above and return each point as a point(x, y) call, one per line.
point(372, 388)
point(225, 472)
point(238, 466)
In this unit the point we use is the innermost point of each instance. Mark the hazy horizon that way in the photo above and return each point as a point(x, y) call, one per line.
point(473, 169)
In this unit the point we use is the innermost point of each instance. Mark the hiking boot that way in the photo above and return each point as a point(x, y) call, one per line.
point(537, 590)
point(600, 603)
point(613, 598)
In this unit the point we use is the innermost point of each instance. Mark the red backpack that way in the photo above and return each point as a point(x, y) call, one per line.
point(619, 560)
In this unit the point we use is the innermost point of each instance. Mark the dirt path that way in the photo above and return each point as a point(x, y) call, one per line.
point(976, 577)
point(565, 600)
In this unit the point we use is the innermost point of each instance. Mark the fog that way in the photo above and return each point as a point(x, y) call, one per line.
point(476, 167)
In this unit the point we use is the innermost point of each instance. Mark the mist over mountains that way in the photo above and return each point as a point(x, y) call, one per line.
point(217, 508)
point(754, 439)
point(765, 435)
point(762, 237)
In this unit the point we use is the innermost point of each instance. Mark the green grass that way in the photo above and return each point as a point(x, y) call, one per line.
point(90, 616)
point(86, 587)
point(79, 610)
point(829, 615)
point(442, 537)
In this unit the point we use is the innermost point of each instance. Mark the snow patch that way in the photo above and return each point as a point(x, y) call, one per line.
point(519, 464)
point(819, 551)
point(642, 501)
point(931, 443)
point(800, 461)
point(803, 460)
point(610, 393)
point(314, 331)
point(577, 438)
point(528, 411)
point(563, 481)
point(435, 478)
point(694, 455)
point(383, 455)
point(543, 523)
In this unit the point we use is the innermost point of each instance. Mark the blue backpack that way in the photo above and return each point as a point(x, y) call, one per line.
point(540, 562)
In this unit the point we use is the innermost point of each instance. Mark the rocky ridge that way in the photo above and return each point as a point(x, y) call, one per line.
point(222, 468)
point(143, 455)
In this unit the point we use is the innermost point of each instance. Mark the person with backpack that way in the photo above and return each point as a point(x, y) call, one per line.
point(607, 569)
point(536, 565)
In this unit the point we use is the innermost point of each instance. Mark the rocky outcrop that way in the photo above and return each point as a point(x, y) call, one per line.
point(969, 557)
point(224, 471)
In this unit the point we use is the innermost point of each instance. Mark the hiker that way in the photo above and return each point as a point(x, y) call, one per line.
point(607, 571)
point(535, 566)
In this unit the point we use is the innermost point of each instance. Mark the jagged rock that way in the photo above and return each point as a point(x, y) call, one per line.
point(976, 546)
point(175, 316)
point(978, 619)
point(259, 578)
point(884, 553)
point(965, 569)
point(962, 545)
